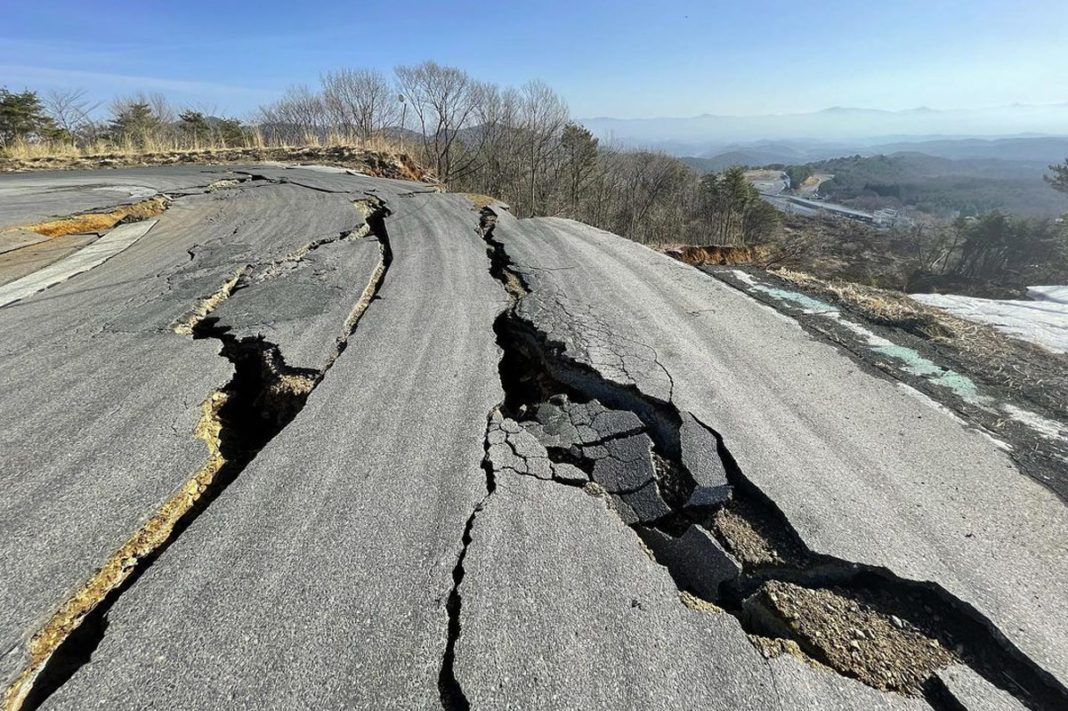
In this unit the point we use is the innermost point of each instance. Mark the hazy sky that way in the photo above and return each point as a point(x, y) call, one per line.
point(623, 59)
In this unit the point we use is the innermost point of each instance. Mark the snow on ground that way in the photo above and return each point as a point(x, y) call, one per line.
point(1057, 294)
point(1043, 321)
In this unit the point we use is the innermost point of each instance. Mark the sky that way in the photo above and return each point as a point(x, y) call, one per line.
point(621, 59)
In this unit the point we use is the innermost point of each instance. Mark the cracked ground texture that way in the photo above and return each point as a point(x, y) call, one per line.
point(863, 470)
point(319, 579)
point(401, 538)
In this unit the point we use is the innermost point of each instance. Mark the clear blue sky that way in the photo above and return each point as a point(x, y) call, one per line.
point(623, 59)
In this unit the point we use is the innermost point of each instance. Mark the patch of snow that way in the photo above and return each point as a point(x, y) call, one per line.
point(910, 359)
point(1056, 294)
point(1047, 428)
point(744, 277)
point(1043, 322)
point(805, 302)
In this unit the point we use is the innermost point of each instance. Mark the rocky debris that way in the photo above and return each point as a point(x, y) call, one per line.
point(848, 632)
point(752, 535)
point(696, 560)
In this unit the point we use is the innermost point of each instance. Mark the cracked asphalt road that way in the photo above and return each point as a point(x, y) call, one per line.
point(369, 544)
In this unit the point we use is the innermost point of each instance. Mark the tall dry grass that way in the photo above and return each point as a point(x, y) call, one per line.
point(150, 144)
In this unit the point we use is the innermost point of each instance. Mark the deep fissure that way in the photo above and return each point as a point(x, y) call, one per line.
point(449, 689)
point(263, 396)
point(533, 370)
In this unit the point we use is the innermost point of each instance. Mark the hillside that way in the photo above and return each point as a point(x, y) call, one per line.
point(940, 186)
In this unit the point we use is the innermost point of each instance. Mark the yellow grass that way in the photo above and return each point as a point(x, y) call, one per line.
point(377, 157)
point(151, 144)
point(481, 201)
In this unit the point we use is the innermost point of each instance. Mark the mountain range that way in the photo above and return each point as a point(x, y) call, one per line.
point(839, 131)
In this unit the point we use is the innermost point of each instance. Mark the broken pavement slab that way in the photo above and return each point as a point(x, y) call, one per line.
point(696, 560)
point(340, 539)
point(584, 619)
point(699, 453)
point(88, 257)
point(971, 692)
point(863, 471)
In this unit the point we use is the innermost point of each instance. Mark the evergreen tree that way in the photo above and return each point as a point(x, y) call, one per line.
point(22, 117)
point(134, 123)
point(1059, 179)
point(578, 148)
point(194, 125)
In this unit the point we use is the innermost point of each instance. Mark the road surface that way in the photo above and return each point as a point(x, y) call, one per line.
point(318, 440)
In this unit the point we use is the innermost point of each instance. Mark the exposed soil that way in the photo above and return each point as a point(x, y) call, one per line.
point(696, 255)
point(753, 537)
point(854, 632)
point(101, 221)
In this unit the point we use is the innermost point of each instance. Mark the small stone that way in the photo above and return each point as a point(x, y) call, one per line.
point(896, 622)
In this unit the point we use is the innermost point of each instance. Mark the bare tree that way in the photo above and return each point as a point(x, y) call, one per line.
point(359, 102)
point(296, 117)
point(543, 115)
point(443, 101)
point(72, 111)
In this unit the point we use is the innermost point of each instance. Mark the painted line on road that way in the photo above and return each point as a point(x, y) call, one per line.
point(83, 260)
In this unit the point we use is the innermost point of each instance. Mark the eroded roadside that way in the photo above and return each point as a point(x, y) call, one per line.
point(1015, 392)
point(671, 479)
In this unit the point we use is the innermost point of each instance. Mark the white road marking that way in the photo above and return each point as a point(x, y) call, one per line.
point(83, 260)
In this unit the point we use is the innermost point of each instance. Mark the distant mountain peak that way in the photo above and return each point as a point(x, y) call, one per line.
point(707, 133)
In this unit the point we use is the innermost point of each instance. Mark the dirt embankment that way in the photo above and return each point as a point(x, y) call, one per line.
point(715, 254)
point(380, 165)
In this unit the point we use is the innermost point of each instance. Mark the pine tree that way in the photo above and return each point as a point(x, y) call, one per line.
point(22, 117)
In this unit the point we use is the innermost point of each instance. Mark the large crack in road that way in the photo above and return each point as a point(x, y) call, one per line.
point(727, 548)
point(668, 476)
point(238, 420)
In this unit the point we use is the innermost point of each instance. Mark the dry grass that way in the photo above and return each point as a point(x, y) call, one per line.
point(481, 201)
point(378, 156)
point(100, 221)
point(889, 308)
